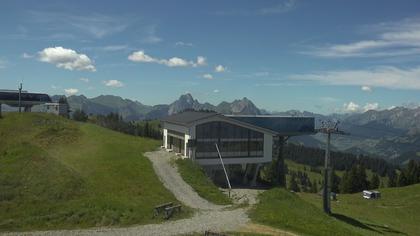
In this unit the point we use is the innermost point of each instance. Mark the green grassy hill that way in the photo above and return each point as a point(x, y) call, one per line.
point(56, 173)
point(397, 213)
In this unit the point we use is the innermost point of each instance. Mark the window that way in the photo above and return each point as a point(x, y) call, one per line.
point(233, 141)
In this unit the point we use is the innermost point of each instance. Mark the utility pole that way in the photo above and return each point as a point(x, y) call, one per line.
point(328, 128)
point(20, 94)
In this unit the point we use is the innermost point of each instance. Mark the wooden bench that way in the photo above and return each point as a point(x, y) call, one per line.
point(160, 208)
point(211, 233)
point(169, 211)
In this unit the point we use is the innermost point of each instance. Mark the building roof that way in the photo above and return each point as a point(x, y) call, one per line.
point(281, 125)
point(187, 117)
point(11, 98)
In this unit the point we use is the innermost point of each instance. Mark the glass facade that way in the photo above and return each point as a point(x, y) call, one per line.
point(233, 141)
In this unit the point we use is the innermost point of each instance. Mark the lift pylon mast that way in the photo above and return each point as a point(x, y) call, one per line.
point(328, 128)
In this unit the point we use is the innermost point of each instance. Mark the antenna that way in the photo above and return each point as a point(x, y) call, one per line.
point(20, 97)
point(328, 127)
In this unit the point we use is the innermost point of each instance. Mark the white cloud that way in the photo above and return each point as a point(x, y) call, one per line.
point(95, 25)
point(351, 107)
point(183, 44)
point(150, 35)
point(366, 88)
point(220, 68)
point(71, 91)
point(201, 61)
point(383, 76)
point(3, 63)
point(112, 48)
point(399, 38)
point(354, 107)
point(113, 83)
point(141, 56)
point(86, 80)
point(27, 56)
point(66, 58)
point(175, 61)
point(282, 6)
point(216, 91)
point(208, 76)
point(371, 106)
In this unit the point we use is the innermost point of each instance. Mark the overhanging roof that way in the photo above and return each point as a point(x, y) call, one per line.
point(280, 125)
point(11, 98)
point(187, 117)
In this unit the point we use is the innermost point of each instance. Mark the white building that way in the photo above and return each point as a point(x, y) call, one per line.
point(56, 108)
point(241, 139)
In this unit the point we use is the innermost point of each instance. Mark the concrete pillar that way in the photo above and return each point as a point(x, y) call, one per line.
point(186, 137)
point(257, 170)
point(165, 138)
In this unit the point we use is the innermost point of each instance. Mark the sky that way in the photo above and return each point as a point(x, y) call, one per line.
point(319, 56)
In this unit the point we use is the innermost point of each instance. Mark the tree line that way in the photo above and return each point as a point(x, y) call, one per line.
point(340, 160)
point(114, 121)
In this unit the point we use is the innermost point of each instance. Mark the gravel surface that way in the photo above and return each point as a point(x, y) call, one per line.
point(219, 221)
point(172, 180)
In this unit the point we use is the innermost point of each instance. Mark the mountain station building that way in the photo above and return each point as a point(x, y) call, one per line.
point(241, 139)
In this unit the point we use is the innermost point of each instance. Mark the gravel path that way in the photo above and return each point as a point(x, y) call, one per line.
point(171, 179)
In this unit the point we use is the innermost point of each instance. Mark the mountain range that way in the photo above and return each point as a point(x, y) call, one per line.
point(134, 110)
point(392, 134)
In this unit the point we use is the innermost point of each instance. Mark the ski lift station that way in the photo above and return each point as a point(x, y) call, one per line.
point(23, 99)
point(241, 139)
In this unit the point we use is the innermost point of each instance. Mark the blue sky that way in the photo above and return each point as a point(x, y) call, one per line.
point(320, 56)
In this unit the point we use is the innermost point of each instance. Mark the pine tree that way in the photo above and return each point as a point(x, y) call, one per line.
point(402, 179)
point(412, 172)
point(363, 183)
point(374, 182)
point(335, 186)
point(345, 185)
point(392, 179)
point(79, 115)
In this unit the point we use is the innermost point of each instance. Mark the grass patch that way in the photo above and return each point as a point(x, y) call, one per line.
point(194, 175)
point(56, 173)
point(282, 209)
point(396, 213)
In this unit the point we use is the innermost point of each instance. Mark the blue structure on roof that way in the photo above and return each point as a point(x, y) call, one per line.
point(283, 125)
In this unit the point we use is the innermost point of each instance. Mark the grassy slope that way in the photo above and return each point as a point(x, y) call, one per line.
point(194, 175)
point(282, 209)
point(395, 214)
point(55, 173)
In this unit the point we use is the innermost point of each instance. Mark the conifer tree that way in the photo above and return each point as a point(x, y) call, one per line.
point(374, 182)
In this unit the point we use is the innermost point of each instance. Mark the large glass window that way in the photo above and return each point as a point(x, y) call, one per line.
point(233, 141)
